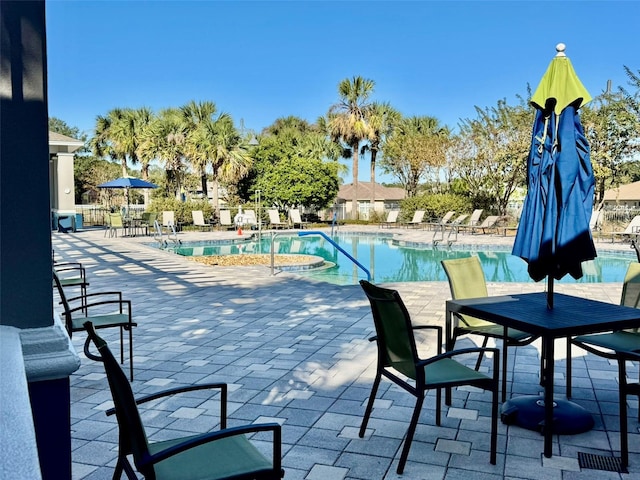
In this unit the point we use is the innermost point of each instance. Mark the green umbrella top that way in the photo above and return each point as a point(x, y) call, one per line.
point(560, 84)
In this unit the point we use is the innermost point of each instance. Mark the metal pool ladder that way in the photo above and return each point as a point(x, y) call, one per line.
point(339, 248)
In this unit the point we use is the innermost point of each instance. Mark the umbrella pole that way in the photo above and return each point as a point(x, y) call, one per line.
point(550, 292)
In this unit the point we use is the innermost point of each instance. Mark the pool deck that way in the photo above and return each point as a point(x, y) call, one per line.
point(295, 351)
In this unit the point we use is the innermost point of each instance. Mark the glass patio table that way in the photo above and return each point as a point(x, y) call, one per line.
point(528, 312)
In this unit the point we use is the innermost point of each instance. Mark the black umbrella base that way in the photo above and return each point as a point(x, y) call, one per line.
point(527, 411)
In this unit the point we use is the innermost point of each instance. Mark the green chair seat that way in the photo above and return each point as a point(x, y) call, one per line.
point(102, 321)
point(233, 456)
point(451, 373)
point(620, 342)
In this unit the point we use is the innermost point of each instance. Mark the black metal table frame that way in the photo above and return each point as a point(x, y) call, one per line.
point(528, 312)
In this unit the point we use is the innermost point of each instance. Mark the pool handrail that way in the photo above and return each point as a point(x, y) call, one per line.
point(328, 239)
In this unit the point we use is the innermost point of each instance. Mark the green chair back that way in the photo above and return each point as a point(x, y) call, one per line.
point(132, 436)
point(116, 220)
point(631, 287)
point(466, 280)
point(396, 343)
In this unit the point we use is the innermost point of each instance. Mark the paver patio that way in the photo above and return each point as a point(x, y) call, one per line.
point(296, 351)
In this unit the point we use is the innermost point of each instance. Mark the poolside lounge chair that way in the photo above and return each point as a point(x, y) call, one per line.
point(440, 225)
point(417, 219)
point(222, 454)
point(488, 224)
point(225, 220)
point(98, 308)
point(467, 280)
point(474, 221)
point(398, 359)
point(198, 220)
point(274, 219)
point(621, 346)
point(392, 219)
point(632, 230)
point(296, 219)
point(169, 220)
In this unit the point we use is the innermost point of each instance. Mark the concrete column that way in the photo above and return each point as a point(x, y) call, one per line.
point(62, 195)
point(26, 293)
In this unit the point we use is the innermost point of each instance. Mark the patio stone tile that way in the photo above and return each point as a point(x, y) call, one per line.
point(296, 351)
point(326, 472)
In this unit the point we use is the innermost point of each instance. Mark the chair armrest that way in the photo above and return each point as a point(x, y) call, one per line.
point(95, 295)
point(120, 303)
point(463, 351)
point(69, 266)
point(191, 388)
point(220, 434)
point(57, 265)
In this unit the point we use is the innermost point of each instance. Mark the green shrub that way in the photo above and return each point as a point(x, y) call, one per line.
point(181, 210)
point(435, 205)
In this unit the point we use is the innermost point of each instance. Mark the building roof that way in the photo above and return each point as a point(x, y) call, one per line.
point(364, 192)
point(59, 143)
point(628, 192)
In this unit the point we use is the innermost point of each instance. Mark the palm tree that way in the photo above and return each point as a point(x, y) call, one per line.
point(347, 122)
point(164, 139)
point(225, 150)
point(106, 141)
point(382, 118)
point(196, 117)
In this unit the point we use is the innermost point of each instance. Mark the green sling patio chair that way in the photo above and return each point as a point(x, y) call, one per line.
point(622, 346)
point(399, 362)
point(147, 221)
point(221, 454)
point(72, 274)
point(467, 280)
point(103, 309)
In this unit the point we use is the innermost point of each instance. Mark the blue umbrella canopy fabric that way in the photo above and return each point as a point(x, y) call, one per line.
point(553, 233)
point(128, 182)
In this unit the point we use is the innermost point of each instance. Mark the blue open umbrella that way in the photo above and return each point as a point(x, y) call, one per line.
point(553, 233)
point(127, 183)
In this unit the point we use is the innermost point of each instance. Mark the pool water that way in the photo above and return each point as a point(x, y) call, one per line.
point(389, 262)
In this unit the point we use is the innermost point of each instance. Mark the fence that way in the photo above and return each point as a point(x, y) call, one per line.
point(93, 215)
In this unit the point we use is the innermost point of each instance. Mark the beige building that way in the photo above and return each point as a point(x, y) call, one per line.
point(623, 196)
point(386, 198)
point(61, 181)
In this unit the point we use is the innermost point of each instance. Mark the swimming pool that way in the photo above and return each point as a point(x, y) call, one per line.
point(388, 261)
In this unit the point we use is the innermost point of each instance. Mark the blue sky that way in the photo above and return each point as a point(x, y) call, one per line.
point(262, 60)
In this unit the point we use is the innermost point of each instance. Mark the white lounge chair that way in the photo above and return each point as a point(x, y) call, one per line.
point(392, 219)
point(417, 219)
point(274, 219)
point(225, 220)
point(488, 223)
point(474, 221)
point(631, 232)
point(198, 220)
point(296, 219)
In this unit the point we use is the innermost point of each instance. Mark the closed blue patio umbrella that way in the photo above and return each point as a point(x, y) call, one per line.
point(553, 233)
